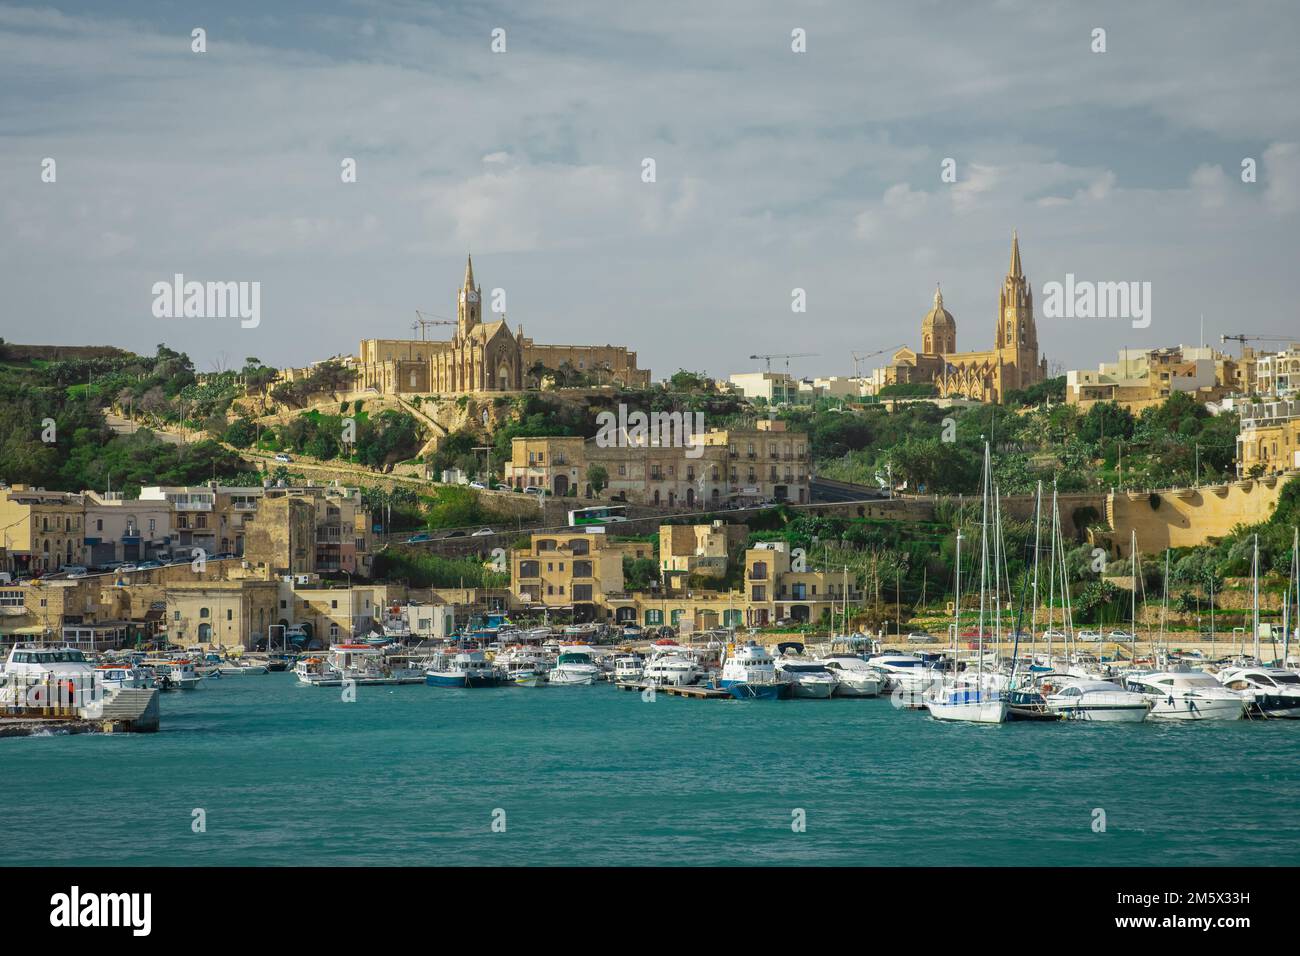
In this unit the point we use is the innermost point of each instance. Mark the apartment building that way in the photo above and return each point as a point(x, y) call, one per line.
point(779, 587)
point(41, 530)
point(117, 529)
point(719, 468)
point(699, 550)
point(1144, 377)
point(1277, 374)
point(1269, 439)
point(572, 570)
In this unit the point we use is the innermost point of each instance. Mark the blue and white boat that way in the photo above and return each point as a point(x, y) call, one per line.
point(464, 669)
point(749, 673)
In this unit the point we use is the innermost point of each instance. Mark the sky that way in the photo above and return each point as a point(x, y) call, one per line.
point(775, 170)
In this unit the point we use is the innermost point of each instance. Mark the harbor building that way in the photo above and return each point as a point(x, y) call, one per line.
point(574, 570)
point(482, 356)
point(1014, 362)
point(117, 529)
point(689, 551)
point(780, 588)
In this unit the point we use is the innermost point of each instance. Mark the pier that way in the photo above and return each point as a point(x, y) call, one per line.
point(675, 690)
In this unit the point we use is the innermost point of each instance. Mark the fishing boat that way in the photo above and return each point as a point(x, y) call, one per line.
point(1096, 700)
point(574, 666)
point(356, 664)
point(464, 669)
point(749, 673)
point(1187, 695)
point(856, 677)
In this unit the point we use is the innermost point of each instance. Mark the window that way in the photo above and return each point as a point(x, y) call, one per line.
point(334, 604)
point(759, 593)
point(203, 612)
point(11, 598)
point(582, 569)
point(230, 614)
point(176, 615)
point(582, 592)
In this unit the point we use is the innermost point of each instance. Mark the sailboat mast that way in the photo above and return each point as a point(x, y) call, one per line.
point(984, 567)
point(1255, 574)
point(1033, 607)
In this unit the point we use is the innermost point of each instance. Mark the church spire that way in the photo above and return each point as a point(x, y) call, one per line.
point(1015, 255)
point(469, 272)
point(938, 297)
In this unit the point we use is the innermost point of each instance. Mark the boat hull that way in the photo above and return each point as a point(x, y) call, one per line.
point(744, 690)
point(1101, 713)
point(814, 690)
point(972, 712)
point(1197, 708)
point(455, 679)
point(861, 688)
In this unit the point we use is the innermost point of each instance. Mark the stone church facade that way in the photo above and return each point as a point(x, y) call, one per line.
point(1014, 362)
point(483, 357)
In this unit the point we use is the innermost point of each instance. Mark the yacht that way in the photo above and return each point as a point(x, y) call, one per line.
point(463, 669)
point(904, 673)
point(856, 677)
point(809, 678)
point(1272, 691)
point(629, 668)
point(749, 673)
point(672, 669)
point(575, 665)
point(1188, 695)
point(38, 675)
point(1097, 700)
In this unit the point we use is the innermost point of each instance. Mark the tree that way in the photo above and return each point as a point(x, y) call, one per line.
point(597, 477)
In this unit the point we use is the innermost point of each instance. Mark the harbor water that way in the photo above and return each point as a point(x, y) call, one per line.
point(412, 775)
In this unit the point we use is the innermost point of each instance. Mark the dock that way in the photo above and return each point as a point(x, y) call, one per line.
point(128, 710)
point(674, 690)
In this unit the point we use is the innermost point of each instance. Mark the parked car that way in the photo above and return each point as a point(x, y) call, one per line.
point(75, 570)
point(149, 566)
point(1089, 635)
point(455, 534)
point(282, 457)
point(1053, 635)
point(1121, 636)
point(920, 637)
point(128, 567)
point(478, 486)
point(417, 538)
point(532, 490)
point(481, 532)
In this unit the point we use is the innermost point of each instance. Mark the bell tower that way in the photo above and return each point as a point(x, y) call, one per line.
point(469, 304)
point(1016, 329)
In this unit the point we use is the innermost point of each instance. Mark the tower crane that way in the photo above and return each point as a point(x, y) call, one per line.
point(860, 357)
point(787, 356)
point(1242, 339)
point(422, 324)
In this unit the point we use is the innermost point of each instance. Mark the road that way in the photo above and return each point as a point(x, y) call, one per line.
point(124, 426)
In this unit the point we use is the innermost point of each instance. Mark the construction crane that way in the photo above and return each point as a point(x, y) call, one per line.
point(1243, 339)
point(779, 355)
point(860, 357)
point(422, 324)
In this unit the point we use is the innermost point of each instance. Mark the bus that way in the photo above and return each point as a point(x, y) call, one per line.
point(603, 514)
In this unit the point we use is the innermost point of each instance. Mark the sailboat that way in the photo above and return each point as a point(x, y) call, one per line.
point(961, 699)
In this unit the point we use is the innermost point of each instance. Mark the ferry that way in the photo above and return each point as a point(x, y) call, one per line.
point(749, 673)
point(464, 669)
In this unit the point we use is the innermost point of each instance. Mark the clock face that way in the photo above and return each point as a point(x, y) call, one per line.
point(471, 296)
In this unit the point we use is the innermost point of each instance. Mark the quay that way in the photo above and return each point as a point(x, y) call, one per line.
point(127, 710)
point(674, 690)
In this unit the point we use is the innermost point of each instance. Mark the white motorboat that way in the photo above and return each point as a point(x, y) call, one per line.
point(1096, 700)
point(671, 670)
point(905, 675)
point(1188, 695)
point(856, 677)
point(629, 668)
point(809, 678)
point(1272, 691)
point(240, 668)
point(39, 676)
point(575, 665)
point(356, 664)
point(113, 676)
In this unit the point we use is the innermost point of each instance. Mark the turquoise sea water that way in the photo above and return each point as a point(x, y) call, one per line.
point(289, 774)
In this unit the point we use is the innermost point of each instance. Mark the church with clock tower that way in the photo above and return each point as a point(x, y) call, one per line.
point(485, 357)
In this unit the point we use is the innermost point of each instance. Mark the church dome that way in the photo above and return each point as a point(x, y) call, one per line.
point(938, 328)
